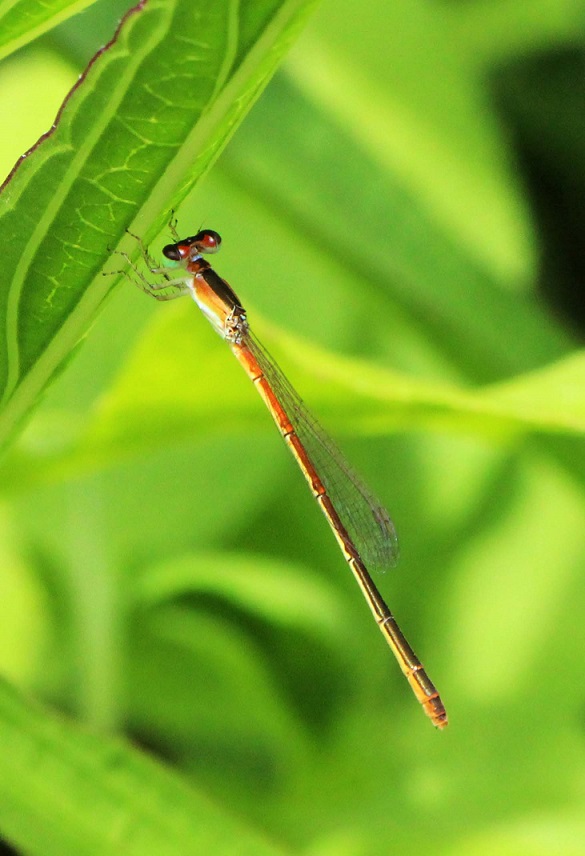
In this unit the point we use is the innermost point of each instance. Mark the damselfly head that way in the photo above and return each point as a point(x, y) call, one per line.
point(207, 241)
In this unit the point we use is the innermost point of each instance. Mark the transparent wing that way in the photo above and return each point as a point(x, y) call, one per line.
point(366, 520)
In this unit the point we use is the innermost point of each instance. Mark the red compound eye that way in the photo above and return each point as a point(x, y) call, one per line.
point(207, 241)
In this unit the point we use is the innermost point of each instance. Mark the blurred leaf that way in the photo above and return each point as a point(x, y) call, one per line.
point(270, 590)
point(144, 411)
point(407, 275)
point(432, 124)
point(533, 834)
point(127, 122)
point(65, 791)
point(552, 398)
point(24, 20)
point(521, 568)
point(491, 32)
point(198, 679)
point(23, 625)
point(247, 654)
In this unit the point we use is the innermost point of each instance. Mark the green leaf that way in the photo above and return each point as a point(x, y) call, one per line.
point(66, 791)
point(143, 408)
point(272, 591)
point(534, 835)
point(24, 20)
point(548, 400)
point(432, 124)
point(494, 33)
point(145, 121)
point(386, 250)
point(203, 618)
point(184, 691)
point(143, 411)
point(551, 398)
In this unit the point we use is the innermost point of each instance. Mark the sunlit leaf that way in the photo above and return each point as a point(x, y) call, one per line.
point(164, 395)
point(131, 119)
point(66, 791)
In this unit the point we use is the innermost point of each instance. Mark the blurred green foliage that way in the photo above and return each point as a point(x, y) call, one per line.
point(402, 213)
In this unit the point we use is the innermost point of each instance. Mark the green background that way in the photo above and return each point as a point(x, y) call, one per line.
point(402, 215)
